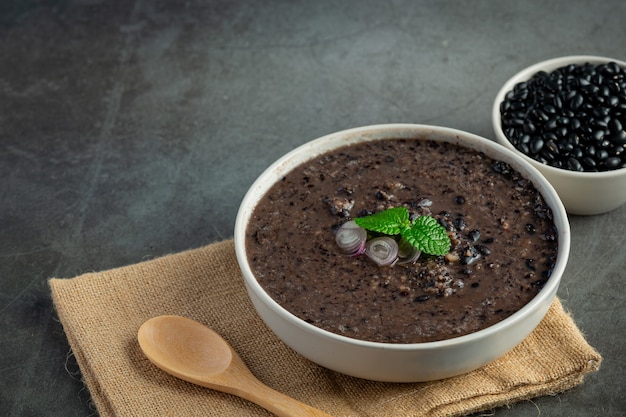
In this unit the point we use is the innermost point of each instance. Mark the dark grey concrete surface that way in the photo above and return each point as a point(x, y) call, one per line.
point(132, 129)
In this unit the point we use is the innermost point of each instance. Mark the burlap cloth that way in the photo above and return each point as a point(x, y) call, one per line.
point(101, 313)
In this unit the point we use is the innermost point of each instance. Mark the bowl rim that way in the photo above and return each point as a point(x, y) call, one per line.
point(547, 292)
point(523, 75)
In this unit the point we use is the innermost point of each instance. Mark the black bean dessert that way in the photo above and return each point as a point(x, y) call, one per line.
point(503, 241)
point(572, 118)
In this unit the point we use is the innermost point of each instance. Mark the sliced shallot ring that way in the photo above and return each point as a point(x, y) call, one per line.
point(351, 238)
point(407, 253)
point(382, 250)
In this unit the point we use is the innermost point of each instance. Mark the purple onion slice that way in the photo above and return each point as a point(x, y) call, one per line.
point(407, 253)
point(351, 238)
point(382, 250)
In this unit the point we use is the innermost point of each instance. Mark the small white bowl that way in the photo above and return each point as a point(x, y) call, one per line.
point(583, 193)
point(400, 362)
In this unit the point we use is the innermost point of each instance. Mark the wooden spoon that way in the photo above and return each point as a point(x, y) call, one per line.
point(191, 351)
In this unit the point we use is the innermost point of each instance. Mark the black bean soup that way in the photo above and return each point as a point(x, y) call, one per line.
point(572, 118)
point(504, 241)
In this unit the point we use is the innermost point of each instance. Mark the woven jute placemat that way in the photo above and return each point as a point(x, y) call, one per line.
point(101, 313)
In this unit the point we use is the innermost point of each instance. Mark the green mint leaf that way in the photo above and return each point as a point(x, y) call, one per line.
point(390, 222)
point(428, 235)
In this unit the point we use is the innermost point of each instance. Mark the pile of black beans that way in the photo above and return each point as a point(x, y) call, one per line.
point(572, 118)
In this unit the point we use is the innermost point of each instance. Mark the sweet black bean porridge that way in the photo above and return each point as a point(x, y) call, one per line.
point(504, 241)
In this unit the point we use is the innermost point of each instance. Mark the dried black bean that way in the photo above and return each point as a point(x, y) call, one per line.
point(469, 255)
point(520, 86)
point(529, 127)
point(612, 163)
point(586, 129)
point(589, 162)
point(550, 136)
point(566, 147)
point(577, 153)
point(600, 123)
point(542, 210)
point(616, 150)
point(597, 79)
point(591, 150)
point(615, 126)
point(573, 139)
point(501, 167)
point(548, 156)
point(549, 109)
point(598, 135)
point(380, 195)
point(550, 234)
point(459, 223)
point(541, 116)
point(474, 235)
point(539, 283)
point(591, 90)
point(576, 102)
point(603, 89)
point(614, 86)
point(551, 124)
point(535, 145)
point(524, 148)
point(600, 112)
point(619, 137)
point(515, 122)
point(552, 147)
point(484, 250)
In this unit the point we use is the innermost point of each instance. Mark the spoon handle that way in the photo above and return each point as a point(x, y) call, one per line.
point(278, 403)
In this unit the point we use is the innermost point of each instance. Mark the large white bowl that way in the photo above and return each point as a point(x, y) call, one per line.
point(400, 362)
point(584, 193)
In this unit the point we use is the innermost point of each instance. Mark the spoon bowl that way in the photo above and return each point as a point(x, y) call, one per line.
point(195, 353)
point(184, 348)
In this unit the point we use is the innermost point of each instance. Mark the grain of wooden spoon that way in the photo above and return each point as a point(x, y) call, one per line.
point(191, 351)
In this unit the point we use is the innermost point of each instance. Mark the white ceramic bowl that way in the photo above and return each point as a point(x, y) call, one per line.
point(400, 362)
point(584, 193)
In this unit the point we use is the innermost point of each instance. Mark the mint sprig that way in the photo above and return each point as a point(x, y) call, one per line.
point(428, 235)
point(390, 222)
point(424, 233)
